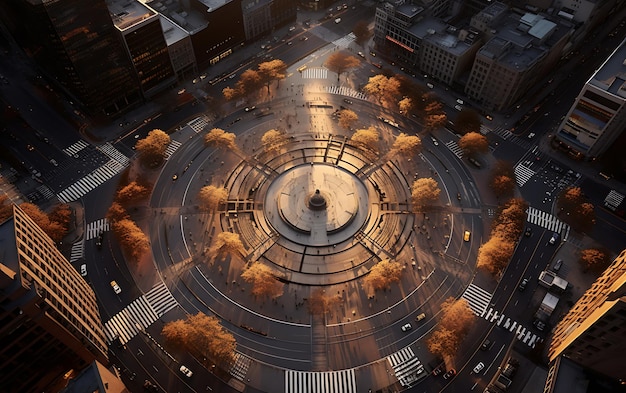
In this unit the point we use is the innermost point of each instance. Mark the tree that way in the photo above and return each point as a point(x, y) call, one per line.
point(424, 192)
point(468, 120)
point(230, 93)
point(382, 275)
point(347, 118)
point(502, 179)
point(575, 209)
point(473, 143)
point(494, 255)
point(273, 70)
point(131, 238)
point(210, 197)
point(221, 139)
point(152, 148)
point(249, 82)
point(273, 141)
point(62, 214)
point(367, 137)
point(319, 303)
point(385, 89)
point(406, 145)
point(203, 336)
point(263, 281)
point(340, 62)
point(406, 106)
point(116, 212)
point(456, 321)
point(227, 243)
point(594, 259)
point(53, 229)
point(362, 32)
point(131, 192)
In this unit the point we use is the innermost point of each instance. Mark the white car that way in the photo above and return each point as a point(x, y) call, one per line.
point(479, 367)
point(407, 327)
point(435, 142)
point(116, 288)
point(186, 371)
point(337, 20)
point(83, 270)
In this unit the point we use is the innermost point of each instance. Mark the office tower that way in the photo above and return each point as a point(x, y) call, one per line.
point(75, 44)
point(593, 332)
point(598, 116)
point(50, 326)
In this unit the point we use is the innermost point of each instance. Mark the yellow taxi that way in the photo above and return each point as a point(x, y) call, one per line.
point(466, 236)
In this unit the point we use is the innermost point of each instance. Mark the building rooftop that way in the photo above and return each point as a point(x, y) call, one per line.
point(127, 13)
point(214, 4)
point(611, 76)
point(409, 10)
point(187, 19)
point(172, 32)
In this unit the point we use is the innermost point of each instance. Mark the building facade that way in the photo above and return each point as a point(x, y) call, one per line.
point(598, 116)
point(75, 43)
point(49, 319)
point(261, 17)
point(593, 331)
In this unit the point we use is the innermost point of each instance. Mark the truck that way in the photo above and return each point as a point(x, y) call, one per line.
point(550, 280)
point(546, 308)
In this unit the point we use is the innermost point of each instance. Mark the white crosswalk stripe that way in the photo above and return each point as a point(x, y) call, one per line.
point(613, 200)
point(342, 381)
point(75, 147)
point(452, 145)
point(240, 366)
point(548, 221)
point(484, 129)
point(45, 191)
point(524, 335)
point(171, 148)
point(315, 73)
point(502, 132)
point(346, 91)
point(523, 174)
point(345, 41)
point(114, 154)
point(198, 124)
point(406, 366)
point(477, 298)
point(143, 311)
point(78, 251)
point(90, 181)
point(96, 228)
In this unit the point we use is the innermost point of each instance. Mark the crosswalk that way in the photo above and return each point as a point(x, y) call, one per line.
point(406, 366)
point(45, 191)
point(240, 366)
point(548, 221)
point(75, 147)
point(345, 41)
point(198, 124)
point(78, 251)
point(95, 228)
point(502, 132)
point(110, 151)
point(342, 381)
point(315, 73)
point(454, 147)
point(477, 298)
point(346, 91)
point(523, 334)
point(523, 174)
point(171, 148)
point(90, 181)
point(140, 314)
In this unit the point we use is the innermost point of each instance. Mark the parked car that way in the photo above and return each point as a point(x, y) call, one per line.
point(116, 288)
point(186, 371)
point(557, 265)
point(451, 373)
point(478, 367)
point(407, 327)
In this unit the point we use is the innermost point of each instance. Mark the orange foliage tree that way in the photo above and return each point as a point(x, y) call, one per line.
point(262, 280)
point(131, 238)
point(456, 321)
point(382, 275)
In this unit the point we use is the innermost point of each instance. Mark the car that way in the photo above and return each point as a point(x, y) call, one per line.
point(149, 386)
point(540, 325)
point(30, 147)
point(458, 107)
point(337, 20)
point(458, 196)
point(474, 162)
point(186, 371)
point(347, 101)
point(116, 288)
point(478, 367)
point(531, 135)
point(522, 285)
point(99, 240)
point(459, 101)
point(466, 236)
point(175, 177)
point(304, 38)
point(486, 345)
point(250, 108)
point(557, 265)
point(554, 238)
point(301, 68)
point(420, 317)
point(489, 117)
point(292, 28)
point(430, 85)
point(451, 373)
point(435, 142)
point(361, 54)
point(378, 65)
point(407, 327)
point(83, 270)
point(437, 371)
point(528, 232)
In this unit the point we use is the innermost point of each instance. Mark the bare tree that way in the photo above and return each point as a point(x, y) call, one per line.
point(210, 197)
point(424, 192)
point(473, 143)
point(347, 118)
point(152, 148)
point(340, 62)
point(273, 141)
point(263, 281)
point(221, 139)
point(382, 275)
point(203, 336)
point(406, 145)
point(367, 137)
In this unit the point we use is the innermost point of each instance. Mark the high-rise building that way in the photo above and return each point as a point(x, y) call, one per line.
point(74, 43)
point(261, 17)
point(50, 327)
point(598, 116)
point(593, 333)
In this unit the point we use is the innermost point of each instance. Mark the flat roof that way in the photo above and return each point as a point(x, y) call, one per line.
point(171, 31)
point(128, 13)
point(611, 76)
point(189, 20)
point(213, 4)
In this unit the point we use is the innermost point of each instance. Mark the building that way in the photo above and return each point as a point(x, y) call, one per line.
point(261, 17)
point(95, 379)
point(598, 116)
point(50, 326)
point(140, 30)
point(592, 333)
point(180, 49)
point(74, 42)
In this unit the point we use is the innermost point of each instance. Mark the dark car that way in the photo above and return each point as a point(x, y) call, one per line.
point(528, 232)
point(523, 284)
point(486, 345)
point(451, 373)
point(557, 265)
